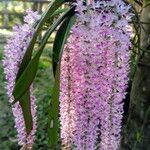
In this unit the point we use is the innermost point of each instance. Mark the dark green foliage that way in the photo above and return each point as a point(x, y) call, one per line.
point(60, 39)
point(53, 116)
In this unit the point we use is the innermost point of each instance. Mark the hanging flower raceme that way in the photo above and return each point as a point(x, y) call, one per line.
point(13, 54)
point(94, 76)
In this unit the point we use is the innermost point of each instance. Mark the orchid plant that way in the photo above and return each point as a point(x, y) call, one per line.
point(91, 56)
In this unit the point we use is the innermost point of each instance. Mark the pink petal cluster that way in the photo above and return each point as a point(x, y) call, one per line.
point(94, 76)
point(13, 54)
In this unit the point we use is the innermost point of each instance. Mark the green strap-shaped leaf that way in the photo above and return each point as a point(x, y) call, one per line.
point(26, 110)
point(53, 6)
point(60, 40)
point(27, 77)
point(59, 11)
point(53, 113)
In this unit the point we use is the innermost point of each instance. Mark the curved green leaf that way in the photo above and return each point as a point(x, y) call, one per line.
point(27, 77)
point(59, 11)
point(60, 39)
point(53, 113)
point(26, 110)
point(53, 6)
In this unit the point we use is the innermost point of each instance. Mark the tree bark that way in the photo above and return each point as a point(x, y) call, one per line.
point(138, 127)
